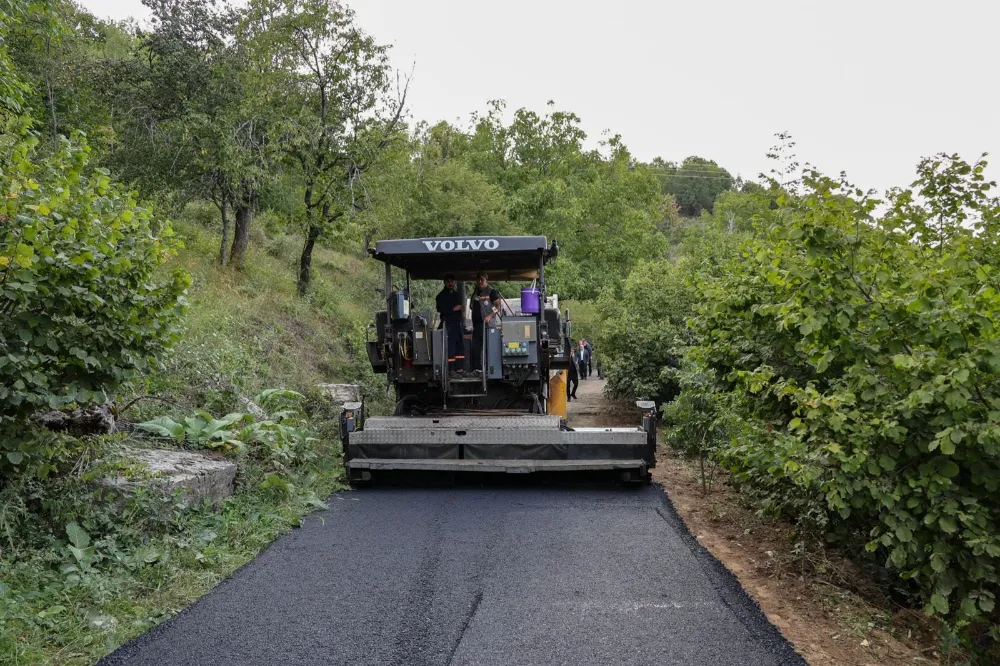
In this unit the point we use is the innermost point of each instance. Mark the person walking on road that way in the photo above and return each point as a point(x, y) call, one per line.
point(450, 307)
point(584, 359)
point(590, 356)
point(573, 377)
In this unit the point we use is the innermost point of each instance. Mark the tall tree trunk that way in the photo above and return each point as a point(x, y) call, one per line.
point(305, 262)
point(224, 208)
point(241, 234)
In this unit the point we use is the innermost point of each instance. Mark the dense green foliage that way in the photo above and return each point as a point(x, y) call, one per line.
point(243, 335)
point(83, 309)
point(530, 175)
point(695, 184)
point(82, 306)
point(843, 361)
point(273, 133)
point(647, 315)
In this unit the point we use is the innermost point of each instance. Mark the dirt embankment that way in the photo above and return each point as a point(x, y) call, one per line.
point(811, 597)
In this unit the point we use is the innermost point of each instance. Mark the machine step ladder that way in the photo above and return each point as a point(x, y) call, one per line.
point(464, 384)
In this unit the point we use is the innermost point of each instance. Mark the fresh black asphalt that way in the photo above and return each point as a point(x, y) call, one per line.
point(508, 575)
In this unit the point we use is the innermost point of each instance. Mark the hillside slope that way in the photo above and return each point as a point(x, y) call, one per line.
point(81, 573)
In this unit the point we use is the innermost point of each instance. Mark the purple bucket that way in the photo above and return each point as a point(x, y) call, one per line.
point(531, 300)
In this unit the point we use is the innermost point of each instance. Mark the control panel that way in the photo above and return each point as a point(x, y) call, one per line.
point(520, 340)
point(515, 349)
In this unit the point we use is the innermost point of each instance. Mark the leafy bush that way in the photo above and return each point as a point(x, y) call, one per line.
point(644, 331)
point(648, 317)
point(281, 439)
point(861, 355)
point(82, 302)
point(200, 429)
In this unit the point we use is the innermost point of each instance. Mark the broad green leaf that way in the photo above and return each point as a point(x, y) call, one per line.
point(50, 611)
point(82, 555)
point(939, 603)
point(231, 418)
point(194, 426)
point(317, 503)
point(23, 255)
point(77, 536)
point(15, 457)
point(163, 426)
point(948, 524)
point(948, 469)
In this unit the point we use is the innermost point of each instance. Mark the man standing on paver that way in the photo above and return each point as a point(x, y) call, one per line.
point(450, 307)
point(485, 308)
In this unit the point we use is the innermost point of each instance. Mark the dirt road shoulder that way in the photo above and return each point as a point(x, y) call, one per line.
point(807, 596)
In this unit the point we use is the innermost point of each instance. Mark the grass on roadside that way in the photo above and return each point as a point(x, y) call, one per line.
point(54, 611)
point(81, 573)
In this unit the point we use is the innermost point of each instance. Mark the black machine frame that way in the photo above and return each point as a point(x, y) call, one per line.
point(410, 351)
point(498, 421)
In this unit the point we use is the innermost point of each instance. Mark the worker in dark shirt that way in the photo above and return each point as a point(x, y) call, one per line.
point(573, 376)
point(485, 308)
point(450, 307)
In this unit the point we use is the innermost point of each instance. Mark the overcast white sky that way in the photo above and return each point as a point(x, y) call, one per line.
point(866, 86)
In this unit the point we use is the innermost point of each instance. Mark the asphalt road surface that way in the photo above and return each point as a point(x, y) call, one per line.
point(505, 575)
point(516, 574)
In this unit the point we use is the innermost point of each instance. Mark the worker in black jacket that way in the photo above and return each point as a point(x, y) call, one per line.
point(450, 307)
point(485, 308)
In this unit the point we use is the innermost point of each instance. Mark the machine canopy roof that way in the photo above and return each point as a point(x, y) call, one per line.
point(502, 257)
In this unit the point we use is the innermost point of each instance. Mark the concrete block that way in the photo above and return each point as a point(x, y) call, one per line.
point(200, 476)
point(341, 393)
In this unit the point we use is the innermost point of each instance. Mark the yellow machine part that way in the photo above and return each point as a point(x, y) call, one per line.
point(557, 394)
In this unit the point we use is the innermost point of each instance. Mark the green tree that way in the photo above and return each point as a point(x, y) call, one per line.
point(12, 87)
point(336, 115)
point(448, 197)
point(603, 209)
point(200, 122)
point(695, 184)
point(68, 58)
